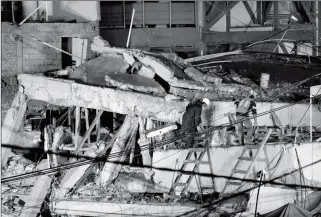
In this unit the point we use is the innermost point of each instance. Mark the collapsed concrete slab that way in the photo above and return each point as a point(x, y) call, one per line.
point(135, 82)
point(69, 93)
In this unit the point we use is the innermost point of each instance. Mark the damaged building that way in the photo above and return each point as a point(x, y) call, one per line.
point(119, 108)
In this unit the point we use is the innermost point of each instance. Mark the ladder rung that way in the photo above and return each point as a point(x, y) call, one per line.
point(234, 183)
point(240, 171)
point(246, 158)
point(179, 184)
point(196, 161)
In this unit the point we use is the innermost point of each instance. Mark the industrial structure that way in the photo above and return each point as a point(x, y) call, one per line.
point(95, 96)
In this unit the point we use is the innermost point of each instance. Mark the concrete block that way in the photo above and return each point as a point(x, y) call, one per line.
point(45, 28)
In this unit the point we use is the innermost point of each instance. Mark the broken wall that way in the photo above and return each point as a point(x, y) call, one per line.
point(29, 56)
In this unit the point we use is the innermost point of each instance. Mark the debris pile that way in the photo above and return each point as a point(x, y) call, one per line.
point(159, 74)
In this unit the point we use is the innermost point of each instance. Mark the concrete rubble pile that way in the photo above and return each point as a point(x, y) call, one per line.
point(151, 92)
point(159, 74)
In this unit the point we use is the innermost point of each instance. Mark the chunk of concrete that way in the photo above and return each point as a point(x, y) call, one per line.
point(134, 82)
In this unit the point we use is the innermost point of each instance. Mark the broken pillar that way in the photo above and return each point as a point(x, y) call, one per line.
point(124, 134)
point(12, 124)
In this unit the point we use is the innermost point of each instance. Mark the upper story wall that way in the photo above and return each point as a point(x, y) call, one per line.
point(82, 11)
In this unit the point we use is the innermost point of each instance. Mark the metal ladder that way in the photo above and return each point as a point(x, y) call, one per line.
point(197, 161)
point(236, 170)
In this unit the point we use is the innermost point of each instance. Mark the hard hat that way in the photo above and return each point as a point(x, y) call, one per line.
point(206, 101)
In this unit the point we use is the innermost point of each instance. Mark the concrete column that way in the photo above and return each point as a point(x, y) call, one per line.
point(200, 23)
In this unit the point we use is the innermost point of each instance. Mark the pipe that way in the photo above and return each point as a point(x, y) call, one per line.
point(22, 22)
point(130, 28)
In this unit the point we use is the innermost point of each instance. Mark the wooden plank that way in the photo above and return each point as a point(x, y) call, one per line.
point(65, 93)
point(12, 124)
point(77, 125)
point(98, 128)
point(87, 123)
point(249, 10)
point(87, 134)
point(220, 14)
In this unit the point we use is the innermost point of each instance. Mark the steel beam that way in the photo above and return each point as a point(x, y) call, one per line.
point(221, 13)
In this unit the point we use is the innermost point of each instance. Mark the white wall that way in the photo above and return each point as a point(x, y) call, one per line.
point(82, 11)
point(224, 160)
point(290, 115)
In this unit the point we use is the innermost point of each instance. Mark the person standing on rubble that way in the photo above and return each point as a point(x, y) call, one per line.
point(192, 119)
point(243, 108)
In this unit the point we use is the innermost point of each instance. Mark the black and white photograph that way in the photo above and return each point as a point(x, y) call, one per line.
point(160, 108)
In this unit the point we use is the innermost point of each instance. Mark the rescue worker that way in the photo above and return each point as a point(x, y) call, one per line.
point(243, 108)
point(192, 118)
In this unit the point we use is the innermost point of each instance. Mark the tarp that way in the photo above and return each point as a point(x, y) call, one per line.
point(312, 203)
point(288, 210)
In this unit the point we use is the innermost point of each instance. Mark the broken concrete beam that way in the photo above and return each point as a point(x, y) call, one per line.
point(94, 208)
point(26, 139)
point(135, 82)
point(158, 67)
point(161, 130)
point(12, 124)
point(68, 93)
point(37, 196)
point(69, 180)
point(146, 72)
point(124, 134)
point(222, 92)
point(199, 76)
point(195, 85)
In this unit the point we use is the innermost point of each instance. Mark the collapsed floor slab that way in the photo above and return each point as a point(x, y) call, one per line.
point(68, 93)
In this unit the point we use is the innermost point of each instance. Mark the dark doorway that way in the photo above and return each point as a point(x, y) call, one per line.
point(66, 60)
